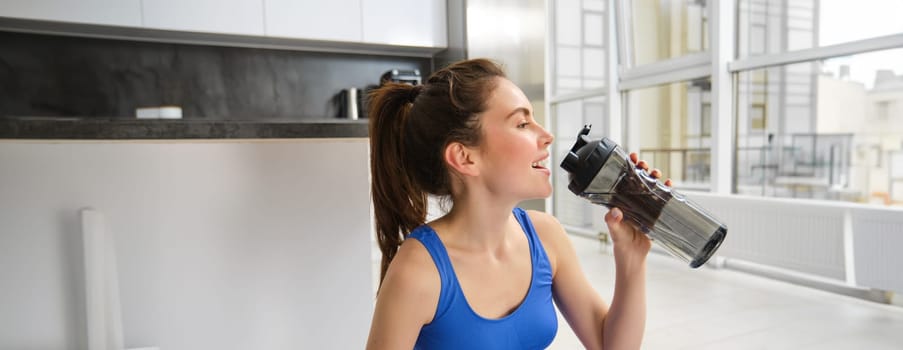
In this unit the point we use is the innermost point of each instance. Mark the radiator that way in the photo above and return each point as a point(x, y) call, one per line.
point(877, 245)
point(791, 234)
point(855, 244)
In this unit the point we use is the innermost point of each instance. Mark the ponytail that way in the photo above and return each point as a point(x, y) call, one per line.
point(407, 140)
point(399, 205)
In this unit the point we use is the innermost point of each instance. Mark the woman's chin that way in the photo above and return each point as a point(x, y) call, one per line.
point(545, 193)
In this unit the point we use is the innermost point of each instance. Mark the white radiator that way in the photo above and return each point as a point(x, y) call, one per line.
point(852, 243)
point(877, 245)
point(789, 234)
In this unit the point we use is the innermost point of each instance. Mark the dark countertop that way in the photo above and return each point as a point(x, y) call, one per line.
point(64, 128)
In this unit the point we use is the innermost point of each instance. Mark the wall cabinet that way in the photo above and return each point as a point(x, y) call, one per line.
point(405, 22)
point(412, 23)
point(105, 12)
point(212, 16)
point(389, 22)
point(334, 20)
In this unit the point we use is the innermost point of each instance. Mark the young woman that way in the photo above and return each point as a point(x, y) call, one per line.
point(483, 276)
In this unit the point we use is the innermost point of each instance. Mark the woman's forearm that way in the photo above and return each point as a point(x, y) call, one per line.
point(625, 322)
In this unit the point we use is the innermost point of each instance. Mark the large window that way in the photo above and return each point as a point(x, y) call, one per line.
point(771, 26)
point(675, 130)
point(665, 83)
point(784, 98)
point(580, 45)
point(661, 30)
point(816, 130)
point(768, 26)
point(579, 67)
point(571, 117)
point(818, 85)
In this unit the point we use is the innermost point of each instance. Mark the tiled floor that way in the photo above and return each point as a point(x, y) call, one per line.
point(723, 309)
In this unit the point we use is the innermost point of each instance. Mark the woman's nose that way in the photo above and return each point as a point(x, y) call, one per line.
point(546, 138)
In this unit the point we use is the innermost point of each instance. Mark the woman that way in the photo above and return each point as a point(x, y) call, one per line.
point(484, 275)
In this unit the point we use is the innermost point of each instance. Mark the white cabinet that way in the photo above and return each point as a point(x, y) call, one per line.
point(213, 16)
point(405, 22)
point(334, 20)
point(219, 244)
point(389, 22)
point(107, 12)
point(414, 23)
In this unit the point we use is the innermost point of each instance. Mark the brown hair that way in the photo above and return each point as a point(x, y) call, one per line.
point(410, 126)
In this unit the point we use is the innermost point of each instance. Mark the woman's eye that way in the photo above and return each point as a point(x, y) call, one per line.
point(523, 125)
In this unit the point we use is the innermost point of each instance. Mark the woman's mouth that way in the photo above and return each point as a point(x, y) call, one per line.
point(541, 166)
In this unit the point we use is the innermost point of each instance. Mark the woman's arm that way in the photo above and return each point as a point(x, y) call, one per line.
point(626, 320)
point(407, 299)
point(597, 326)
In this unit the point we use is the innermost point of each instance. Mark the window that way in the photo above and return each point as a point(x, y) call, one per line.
point(580, 42)
point(665, 29)
point(770, 27)
point(579, 73)
point(571, 117)
point(829, 126)
point(812, 97)
point(675, 130)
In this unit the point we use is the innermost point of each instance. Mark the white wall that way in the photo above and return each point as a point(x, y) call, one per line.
point(240, 245)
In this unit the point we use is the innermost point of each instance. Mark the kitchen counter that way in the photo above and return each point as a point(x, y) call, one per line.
point(64, 128)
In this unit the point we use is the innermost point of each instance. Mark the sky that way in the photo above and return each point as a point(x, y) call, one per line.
point(847, 20)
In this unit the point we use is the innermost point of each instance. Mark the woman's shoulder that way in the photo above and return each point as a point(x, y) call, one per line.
point(407, 298)
point(550, 233)
point(414, 265)
point(413, 278)
point(546, 225)
point(541, 217)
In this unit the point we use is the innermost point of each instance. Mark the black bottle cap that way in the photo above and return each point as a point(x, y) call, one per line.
point(585, 160)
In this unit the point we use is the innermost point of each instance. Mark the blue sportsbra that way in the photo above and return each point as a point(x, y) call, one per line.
point(532, 325)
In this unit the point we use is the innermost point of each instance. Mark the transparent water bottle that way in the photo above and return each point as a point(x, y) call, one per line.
point(602, 172)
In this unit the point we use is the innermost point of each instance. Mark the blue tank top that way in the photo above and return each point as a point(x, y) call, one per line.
point(532, 325)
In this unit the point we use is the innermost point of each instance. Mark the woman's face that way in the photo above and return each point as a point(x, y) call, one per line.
point(514, 151)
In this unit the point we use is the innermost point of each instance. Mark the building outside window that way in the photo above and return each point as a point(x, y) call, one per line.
point(824, 127)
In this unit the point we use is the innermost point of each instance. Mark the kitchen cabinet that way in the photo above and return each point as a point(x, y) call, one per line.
point(335, 20)
point(105, 12)
point(387, 22)
point(219, 244)
point(405, 22)
point(235, 17)
point(417, 27)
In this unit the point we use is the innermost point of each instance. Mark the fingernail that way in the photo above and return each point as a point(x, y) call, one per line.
point(616, 213)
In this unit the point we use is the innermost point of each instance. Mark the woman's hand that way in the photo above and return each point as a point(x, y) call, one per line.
point(641, 164)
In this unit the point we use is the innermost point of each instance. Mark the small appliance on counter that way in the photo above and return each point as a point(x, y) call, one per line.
point(349, 104)
point(160, 112)
point(401, 76)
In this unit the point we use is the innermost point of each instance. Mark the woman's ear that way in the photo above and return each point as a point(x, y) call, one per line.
point(461, 159)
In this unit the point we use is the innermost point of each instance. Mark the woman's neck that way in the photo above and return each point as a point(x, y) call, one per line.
point(478, 224)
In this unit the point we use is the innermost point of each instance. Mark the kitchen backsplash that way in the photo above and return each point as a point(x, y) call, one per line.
point(44, 75)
